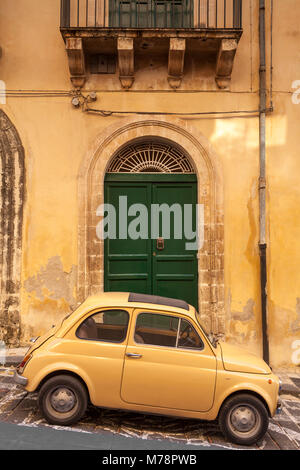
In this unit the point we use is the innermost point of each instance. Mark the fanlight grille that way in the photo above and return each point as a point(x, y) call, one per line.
point(150, 157)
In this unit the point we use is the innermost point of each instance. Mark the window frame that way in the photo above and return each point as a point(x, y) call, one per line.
point(187, 348)
point(176, 347)
point(96, 312)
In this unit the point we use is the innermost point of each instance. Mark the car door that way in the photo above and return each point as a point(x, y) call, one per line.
point(96, 346)
point(168, 363)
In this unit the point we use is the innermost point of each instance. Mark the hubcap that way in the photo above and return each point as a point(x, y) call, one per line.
point(63, 400)
point(243, 419)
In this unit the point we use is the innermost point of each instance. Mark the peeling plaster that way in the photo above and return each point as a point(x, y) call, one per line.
point(247, 313)
point(241, 324)
point(52, 282)
point(295, 325)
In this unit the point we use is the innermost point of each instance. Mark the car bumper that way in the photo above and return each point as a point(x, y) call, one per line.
point(19, 379)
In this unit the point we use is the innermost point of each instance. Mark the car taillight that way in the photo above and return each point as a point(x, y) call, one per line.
point(23, 363)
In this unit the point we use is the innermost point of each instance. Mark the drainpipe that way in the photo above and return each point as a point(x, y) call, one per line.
point(262, 177)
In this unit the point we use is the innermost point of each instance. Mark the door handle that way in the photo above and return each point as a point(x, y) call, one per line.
point(160, 243)
point(134, 355)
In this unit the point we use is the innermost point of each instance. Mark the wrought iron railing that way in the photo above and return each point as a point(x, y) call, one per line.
point(178, 14)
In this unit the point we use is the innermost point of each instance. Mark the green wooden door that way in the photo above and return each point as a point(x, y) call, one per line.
point(149, 252)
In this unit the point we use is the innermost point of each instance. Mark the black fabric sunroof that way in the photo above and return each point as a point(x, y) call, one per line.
point(156, 299)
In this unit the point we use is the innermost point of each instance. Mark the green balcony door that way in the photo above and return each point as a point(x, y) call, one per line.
point(142, 256)
point(151, 13)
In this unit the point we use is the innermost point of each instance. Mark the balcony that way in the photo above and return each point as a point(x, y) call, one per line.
point(96, 31)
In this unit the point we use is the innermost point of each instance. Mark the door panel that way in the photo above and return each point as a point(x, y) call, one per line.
point(168, 377)
point(98, 343)
point(175, 269)
point(127, 261)
point(146, 265)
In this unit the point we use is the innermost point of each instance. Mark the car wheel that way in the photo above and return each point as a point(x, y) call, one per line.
point(244, 419)
point(63, 400)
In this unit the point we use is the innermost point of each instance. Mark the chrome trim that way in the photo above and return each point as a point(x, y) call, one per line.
point(19, 379)
point(33, 340)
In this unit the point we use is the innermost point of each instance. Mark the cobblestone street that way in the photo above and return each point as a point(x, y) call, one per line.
point(19, 407)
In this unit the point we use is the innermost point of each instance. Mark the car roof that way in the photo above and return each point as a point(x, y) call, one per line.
point(131, 299)
point(119, 300)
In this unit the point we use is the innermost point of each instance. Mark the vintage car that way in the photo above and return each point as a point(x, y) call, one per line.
point(149, 354)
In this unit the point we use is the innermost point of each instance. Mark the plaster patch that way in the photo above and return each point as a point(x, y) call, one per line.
point(247, 314)
point(53, 282)
point(240, 328)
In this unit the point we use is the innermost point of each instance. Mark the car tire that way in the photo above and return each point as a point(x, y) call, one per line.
point(63, 400)
point(244, 419)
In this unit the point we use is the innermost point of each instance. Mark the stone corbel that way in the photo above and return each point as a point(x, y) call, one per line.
point(176, 62)
point(126, 61)
point(76, 59)
point(225, 62)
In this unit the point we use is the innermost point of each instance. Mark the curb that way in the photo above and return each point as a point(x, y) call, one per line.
point(12, 361)
point(290, 383)
point(12, 357)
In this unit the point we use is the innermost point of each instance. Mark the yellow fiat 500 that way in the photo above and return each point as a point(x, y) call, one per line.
point(148, 354)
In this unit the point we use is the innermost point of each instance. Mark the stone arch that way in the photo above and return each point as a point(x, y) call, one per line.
point(12, 188)
point(210, 194)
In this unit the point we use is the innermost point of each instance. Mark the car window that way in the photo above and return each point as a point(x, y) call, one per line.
point(166, 330)
point(109, 325)
point(159, 330)
point(188, 337)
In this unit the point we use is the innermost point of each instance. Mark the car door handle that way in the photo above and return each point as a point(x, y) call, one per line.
point(134, 355)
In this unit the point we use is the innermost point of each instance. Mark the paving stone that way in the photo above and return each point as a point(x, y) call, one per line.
point(278, 435)
point(267, 443)
point(3, 392)
point(8, 379)
point(296, 381)
point(28, 403)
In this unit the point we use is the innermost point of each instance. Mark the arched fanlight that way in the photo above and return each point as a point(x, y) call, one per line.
point(151, 156)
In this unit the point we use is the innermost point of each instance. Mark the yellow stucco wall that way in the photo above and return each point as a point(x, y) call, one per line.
point(57, 137)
